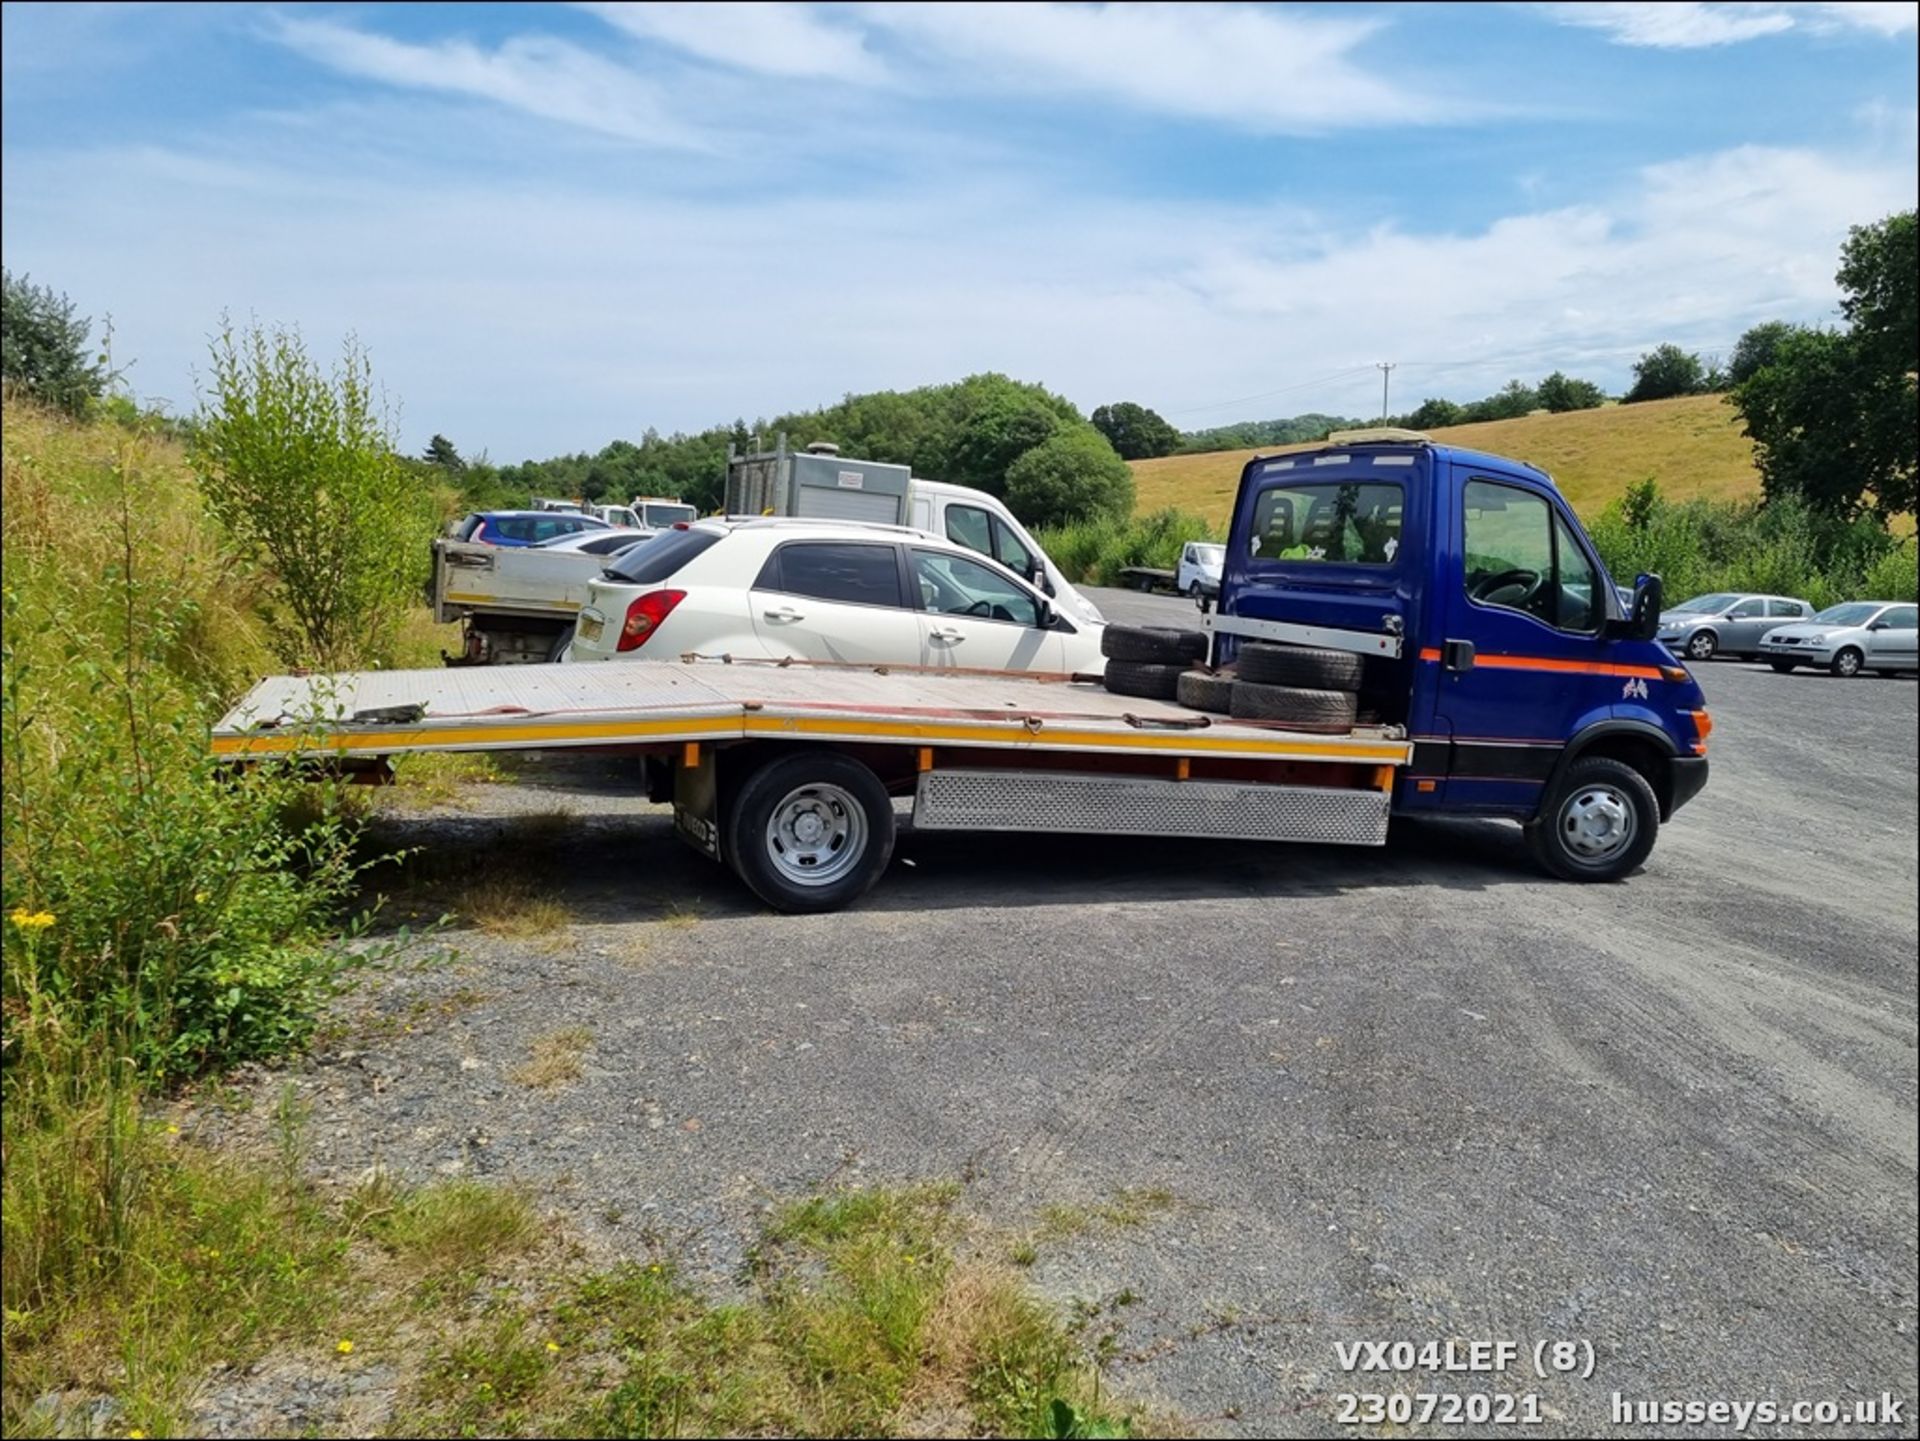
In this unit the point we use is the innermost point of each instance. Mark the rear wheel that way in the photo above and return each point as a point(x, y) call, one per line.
point(1599, 824)
point(1785, 667)
point(1847, 663)
point(1702, 644)
point(561, 641)
point(810, 832)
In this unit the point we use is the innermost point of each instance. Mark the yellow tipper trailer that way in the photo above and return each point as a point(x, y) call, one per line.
point(786, 772)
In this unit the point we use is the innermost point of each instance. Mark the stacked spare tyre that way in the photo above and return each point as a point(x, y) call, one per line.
point(1301, 688)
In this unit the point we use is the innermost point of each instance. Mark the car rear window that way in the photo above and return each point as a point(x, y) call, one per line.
point(831, 570)
point(653, 561)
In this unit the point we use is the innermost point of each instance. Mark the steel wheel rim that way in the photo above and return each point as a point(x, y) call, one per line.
point(1701, 646)
point(1597, 823)
point(816, 835)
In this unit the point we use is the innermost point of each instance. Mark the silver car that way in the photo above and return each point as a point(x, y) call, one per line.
point(1847, 639)
point(1729, 621)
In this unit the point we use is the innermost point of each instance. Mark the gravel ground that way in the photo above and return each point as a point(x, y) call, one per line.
point(1413, 1094)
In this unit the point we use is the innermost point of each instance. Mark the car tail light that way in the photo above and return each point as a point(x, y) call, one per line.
point(644, 616)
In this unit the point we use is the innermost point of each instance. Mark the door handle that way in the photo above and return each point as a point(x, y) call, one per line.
point(1457, 655)
point(783, 615)
point(945, 637)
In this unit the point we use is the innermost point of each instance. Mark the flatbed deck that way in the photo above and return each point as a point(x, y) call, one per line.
point(372, 713)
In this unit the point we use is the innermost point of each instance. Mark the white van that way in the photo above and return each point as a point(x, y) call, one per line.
point(981, 522)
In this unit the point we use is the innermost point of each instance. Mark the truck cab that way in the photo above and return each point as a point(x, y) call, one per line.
point(1493, 634)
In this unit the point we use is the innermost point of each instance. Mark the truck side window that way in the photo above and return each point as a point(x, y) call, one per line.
point(1008, 550)
point(1340, 522)
point(970, 526)
point(1521, 556)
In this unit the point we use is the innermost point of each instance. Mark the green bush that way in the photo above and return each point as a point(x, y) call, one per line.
point(1096, 551)
point(1782, 547)
point(43, 346)
point(1074, 475)
point(300, 470)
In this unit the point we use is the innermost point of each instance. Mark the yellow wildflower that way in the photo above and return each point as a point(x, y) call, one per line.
point(199, 898)
point(553, 1345)
point(345, 1348)
point(31, 920)
point(136, 1434)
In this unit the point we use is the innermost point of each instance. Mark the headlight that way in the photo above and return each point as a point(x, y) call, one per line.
point(1816, 640)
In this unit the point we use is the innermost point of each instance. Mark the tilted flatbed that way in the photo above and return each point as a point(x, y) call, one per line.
point(785, 771)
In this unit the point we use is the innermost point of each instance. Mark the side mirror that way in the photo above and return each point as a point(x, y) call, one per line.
point(1880, 625)
point(1643, 617)
point(1047, 616)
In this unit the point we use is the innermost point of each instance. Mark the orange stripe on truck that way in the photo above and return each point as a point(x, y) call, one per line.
point(1562, 667)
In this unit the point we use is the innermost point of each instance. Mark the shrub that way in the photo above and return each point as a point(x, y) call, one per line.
point(300, 470)
point(1096, 551)
point(43, 346)
point(1074, 475)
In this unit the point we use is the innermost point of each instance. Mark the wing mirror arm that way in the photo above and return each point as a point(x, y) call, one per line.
point(1643, 620)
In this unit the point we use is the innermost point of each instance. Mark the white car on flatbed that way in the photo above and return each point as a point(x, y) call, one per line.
point(837, 591)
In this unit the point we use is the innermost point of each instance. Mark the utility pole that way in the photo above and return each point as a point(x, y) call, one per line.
point(1386, 370)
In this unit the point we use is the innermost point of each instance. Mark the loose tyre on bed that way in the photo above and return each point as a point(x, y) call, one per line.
point(1306, 667)
point(1599, 824)
point(1153, 645)
point(810, 832)
point(1149, 682)
point(1203, 690)
point(1322, 711)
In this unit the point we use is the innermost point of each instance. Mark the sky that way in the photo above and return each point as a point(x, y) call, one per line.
point(555, 225)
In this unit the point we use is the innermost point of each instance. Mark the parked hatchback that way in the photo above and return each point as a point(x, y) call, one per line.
point(1732, 622)
point(524, 527)
point(1847, 639)
point(824, 591)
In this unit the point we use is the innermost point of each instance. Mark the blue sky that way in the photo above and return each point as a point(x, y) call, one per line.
point(555, 225)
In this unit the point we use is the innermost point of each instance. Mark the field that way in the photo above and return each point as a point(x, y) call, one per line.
point(1693, 446)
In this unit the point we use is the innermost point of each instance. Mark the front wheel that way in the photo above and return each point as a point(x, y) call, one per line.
point(1784, 667)
point(1847, 664)
point(1702, 644)
point(1193, 591)
point(810, 832)
point(1599, 824)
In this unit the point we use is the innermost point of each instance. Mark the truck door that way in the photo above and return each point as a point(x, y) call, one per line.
point(1521, 660)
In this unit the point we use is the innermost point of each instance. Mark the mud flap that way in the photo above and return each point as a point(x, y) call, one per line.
point(696, 804)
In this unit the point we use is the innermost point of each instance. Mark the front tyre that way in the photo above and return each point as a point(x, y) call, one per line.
point(1784, 667)
point(1702, 644)
point(1599, 824)
point(810, 832)
point(1847, 663)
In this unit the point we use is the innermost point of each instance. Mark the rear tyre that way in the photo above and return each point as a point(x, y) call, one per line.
point(1847, 663)
point(560, 643)
point(1702, 644)
point(1153, 644)
point(1599, 823)
point(1203, 690)
point(810, 832)
point(1149, 682)
point(1328, 712)
point(1299, 665)
point(1785, 667)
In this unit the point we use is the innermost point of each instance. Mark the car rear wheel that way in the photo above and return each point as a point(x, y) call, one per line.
point(1846, 664)
point(1702, 644)
point(1599, 824)
point(1785, 667)
point(810, 832)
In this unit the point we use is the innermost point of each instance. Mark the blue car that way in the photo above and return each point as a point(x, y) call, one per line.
point(524, 527)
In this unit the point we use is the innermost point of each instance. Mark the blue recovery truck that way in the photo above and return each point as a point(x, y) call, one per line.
point(1529, 686)
point(1486, 664)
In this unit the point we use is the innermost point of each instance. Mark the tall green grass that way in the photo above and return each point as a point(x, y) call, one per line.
point(1096, 551)
point(1781, 547)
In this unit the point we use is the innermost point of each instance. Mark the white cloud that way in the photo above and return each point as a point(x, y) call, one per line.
point(1683, 25)
point(540, 76)
point(546, 318)
point(769, 38)
point(1253, 68)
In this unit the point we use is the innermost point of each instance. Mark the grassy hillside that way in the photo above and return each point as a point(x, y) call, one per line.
point(1692, 446)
